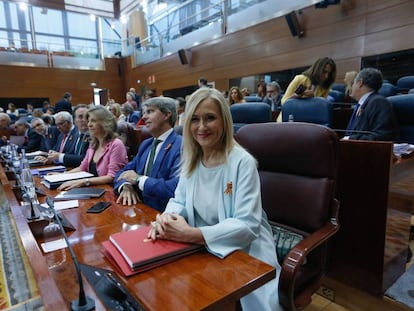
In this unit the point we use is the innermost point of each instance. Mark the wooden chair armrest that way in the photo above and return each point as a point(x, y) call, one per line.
point(297, 255)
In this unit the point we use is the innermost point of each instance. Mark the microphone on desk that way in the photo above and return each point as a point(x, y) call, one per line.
point(84, 303)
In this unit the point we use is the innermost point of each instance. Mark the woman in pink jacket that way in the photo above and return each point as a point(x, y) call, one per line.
point(106, 154)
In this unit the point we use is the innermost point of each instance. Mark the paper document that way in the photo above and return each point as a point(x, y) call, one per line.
point(53, 245)
point(62, 205)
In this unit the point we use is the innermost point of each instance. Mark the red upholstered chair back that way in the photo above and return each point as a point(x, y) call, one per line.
point(297, 165)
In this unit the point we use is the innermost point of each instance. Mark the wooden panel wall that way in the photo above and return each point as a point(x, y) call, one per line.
point(17, 81)
point(345, 32)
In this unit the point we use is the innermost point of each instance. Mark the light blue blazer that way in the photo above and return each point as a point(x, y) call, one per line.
point(242, 222)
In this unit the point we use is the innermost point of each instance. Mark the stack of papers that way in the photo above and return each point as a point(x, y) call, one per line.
point(403, 150)
point(54, 181)
point(50, 169)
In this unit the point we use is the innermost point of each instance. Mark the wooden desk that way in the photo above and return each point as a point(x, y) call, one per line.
point(369, 252)
point(198, 282)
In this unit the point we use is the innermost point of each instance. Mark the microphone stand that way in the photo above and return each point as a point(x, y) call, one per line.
point(84, 303)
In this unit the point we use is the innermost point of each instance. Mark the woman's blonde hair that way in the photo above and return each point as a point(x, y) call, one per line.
point(192, 152)
point(106, 119)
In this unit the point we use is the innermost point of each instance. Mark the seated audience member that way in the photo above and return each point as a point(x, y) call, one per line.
point(50, 111)
point(261, 89)
point(49, 134)
point(64, 150)
point(48, 119)
point(37, 113)
point(31, 138)
point(106, 154)
point(46, 105)
point(217, 202)
point(245, 91)
point(180, 102)
point(29, 108)
point(273, 95)
point(349, 80)
point(151, 177)
point(130, 99)
point(374, 113)
point(131, 116)
point(315, 81)
point(5, 128)
point(136, 98)
point(149, 94)
point(11, 109)
point(124, 129)
point(235, 96)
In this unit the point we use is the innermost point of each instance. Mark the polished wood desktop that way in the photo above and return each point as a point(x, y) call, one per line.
point(199, 281)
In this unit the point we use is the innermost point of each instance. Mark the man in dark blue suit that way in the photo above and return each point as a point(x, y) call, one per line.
point(152, 176)
point(64, 151)
point(64, 104)
point(31, 138)
point(373, 117)
point(49, 134)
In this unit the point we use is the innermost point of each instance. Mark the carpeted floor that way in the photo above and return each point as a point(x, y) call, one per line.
point(18, 290)
point(403, 289)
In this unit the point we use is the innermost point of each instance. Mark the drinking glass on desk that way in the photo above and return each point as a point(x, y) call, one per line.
point(28, 187)
point(51, 235)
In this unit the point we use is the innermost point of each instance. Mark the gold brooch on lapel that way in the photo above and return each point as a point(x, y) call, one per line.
point(229, 188)
point(168, 147)
point(359, 112)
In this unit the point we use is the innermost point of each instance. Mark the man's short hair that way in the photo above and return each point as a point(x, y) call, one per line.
point(22, 122)
point(371, 77)
point(67, 95)
point(165, 105)
point(275, 85)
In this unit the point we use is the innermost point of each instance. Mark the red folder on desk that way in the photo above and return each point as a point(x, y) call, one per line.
point(132, 255)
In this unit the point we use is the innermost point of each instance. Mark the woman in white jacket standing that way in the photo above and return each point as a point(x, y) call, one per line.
point(217, 202)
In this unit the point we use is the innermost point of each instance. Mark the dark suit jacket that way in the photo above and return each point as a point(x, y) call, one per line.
point(377, 117)
point(161, 184)
point(71, 159)
point(63, 105)
point(33, 142)
point(133, 117)
point(49, 141)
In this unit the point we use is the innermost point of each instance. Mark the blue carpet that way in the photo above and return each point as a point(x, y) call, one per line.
point(403, 289)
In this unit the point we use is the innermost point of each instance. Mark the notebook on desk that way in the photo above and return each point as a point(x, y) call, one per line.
point(54, 181)
point(132, 254)
point(80, 193)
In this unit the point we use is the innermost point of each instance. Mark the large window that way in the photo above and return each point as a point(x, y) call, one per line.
point(55, 30)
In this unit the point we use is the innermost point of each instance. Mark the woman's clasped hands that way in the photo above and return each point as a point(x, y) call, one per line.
point(169, 226)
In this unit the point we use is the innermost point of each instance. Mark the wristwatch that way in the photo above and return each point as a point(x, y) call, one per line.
point(87, 182)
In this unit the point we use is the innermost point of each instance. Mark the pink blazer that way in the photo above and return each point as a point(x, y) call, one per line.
point(113, 158)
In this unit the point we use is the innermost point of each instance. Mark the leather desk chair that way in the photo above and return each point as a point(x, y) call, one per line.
point(310, 110)
point(337, 96)
point(246, 113)
point(297, 164)
point(404, 112)
point(388, 89)
point(252, 99)
point(404, 84)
